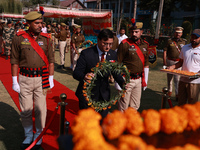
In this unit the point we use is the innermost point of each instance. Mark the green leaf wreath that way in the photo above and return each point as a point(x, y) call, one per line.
point(101, 69)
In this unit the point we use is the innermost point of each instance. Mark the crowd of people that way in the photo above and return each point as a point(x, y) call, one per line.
point(32, 50)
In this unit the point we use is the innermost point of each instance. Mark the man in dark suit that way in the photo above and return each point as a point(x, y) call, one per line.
point(87, 60)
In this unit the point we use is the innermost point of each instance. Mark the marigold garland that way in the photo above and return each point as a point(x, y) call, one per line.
point(88, 134)
point(101, 69)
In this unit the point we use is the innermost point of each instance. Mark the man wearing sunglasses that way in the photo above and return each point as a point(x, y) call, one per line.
point(88, 60)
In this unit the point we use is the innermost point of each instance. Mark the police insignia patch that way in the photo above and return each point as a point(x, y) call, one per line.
point(40, 43)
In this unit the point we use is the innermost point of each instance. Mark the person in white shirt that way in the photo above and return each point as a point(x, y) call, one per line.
point(189, 89)
point(44, 28)
point(121, 36)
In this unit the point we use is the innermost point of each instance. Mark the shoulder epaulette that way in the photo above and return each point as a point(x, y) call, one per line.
point(146, 42)
point(44, 34)
point(184, 39)
point(125, 40)
point(21, 32)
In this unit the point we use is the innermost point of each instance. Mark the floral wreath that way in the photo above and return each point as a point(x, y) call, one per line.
point(101, 69)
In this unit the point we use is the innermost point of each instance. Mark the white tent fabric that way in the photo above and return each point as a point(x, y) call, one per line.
point(17, 16)
point(57, 13)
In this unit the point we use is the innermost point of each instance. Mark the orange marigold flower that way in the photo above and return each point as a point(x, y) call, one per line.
point(112, 126)
point(135, 124)
point(109, 107)
point(130, 142)
point(104, 108)
point(169, 120)
point(84, 91)
point(193, 117)
point(89, 104)
point(151, 121)
point(183, 118)
point(85, 95)
point(97, 65)
point(87, 99)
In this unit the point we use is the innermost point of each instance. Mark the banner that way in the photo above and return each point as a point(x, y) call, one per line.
point(152, 56)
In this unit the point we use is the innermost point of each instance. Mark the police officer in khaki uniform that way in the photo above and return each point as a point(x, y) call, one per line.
point(171, 53)
point(32, 53)
point(77, 40)
point(133, 53)
point(62, 36)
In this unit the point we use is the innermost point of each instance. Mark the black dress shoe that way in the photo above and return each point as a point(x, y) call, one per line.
point(24, 146)
point(36, 147)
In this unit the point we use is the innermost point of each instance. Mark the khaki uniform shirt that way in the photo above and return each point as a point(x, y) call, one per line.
point(129, 57)
point(77, 40)
point(24, 54)
point(172, 50)
point(62, 35)
point(115, 43)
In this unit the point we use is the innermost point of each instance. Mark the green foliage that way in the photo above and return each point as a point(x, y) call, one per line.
point(102, 69)
point(11, 6)
point(187, 30)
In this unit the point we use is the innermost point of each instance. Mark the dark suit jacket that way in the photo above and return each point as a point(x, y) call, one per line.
point(87, 60)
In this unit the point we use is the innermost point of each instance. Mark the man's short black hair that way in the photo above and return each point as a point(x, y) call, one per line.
point(123, 28)
point(105, 34)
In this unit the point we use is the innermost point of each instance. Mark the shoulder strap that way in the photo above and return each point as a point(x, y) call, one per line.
point(44, 34)
point(21, 32)
point(37, 48)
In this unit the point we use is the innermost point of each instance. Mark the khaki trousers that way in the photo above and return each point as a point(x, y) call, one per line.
point(62, 45)
point(75, 57)
point(68, 45)
point(188, 93)
point(170, 77)
point(132, 96)
point(31, 92)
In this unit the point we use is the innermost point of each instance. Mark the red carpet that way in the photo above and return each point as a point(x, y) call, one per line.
point(50, 137)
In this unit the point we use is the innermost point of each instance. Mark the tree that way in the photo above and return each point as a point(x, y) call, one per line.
point(11, 6)
point(153, 5)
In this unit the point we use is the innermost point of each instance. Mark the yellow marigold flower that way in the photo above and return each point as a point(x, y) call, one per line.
point(89, 104)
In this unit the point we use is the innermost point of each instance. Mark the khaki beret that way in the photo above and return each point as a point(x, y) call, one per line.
point(77, 26)
point(54, 23)
point(2, 21)
point(179, 29)
point(44, 22)
point(138, 25)
point(110, 28)
point(33, 15)
point(63, 24)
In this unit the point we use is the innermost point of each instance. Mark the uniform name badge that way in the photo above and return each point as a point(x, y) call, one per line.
point(40, 43)
point(132, 49)
point(172, 44)
point(25, 42)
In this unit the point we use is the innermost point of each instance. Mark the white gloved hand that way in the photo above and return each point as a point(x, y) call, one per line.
point(15, 85)
point(51, 81)
point(146, 75)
